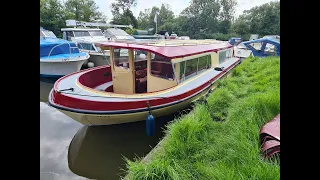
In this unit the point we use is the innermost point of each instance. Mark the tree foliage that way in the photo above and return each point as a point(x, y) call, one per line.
point(82, 10)
point(53, 13)
point(122, 14)
point(201, 19)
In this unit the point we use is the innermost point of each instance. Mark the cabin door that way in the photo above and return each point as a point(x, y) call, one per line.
point(140, 66)
point(122, 71)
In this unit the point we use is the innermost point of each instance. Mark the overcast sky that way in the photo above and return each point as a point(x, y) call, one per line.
point(176, 5)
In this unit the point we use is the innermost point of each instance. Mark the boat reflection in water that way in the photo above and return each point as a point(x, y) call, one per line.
point(98, 152)
point(46, 84)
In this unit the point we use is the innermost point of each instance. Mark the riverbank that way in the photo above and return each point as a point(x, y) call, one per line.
point(221, 140)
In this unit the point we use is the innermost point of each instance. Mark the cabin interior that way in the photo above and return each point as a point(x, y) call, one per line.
point(136, 71)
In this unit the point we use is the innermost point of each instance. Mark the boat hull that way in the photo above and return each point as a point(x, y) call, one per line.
point(78, 95)
point(99, 60)
point(109, 119)
point(57, 68)
point(92, 119)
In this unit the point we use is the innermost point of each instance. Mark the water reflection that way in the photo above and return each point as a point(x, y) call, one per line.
point(71, 151)
point(56, 132)
point(46, 85)
point(98, 152)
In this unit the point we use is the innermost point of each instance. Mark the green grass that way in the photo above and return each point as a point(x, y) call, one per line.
point(198, 147)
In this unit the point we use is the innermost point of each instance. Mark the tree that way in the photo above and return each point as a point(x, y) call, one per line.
point(203, 16)
point(123, 5)
point(165, 18)
point(263, 20)
point(226, 14)
point(143, 19)
point(241, 26)
point(122, 14)
point(165, 14)
point(51, 16)
point(82, 10)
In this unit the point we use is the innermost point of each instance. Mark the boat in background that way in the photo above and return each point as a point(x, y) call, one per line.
point(117, 34)
point(235, 41)
point(144, 34)
point(86, 38)
point(58, 57)
point(145, 80)
point(275, 37)
point(262, 47)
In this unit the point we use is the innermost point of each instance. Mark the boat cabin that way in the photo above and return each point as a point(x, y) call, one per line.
point(85, 38)
point(71, 33)
point(117, 33)
point(145, 67)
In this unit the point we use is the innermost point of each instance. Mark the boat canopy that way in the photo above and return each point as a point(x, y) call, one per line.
point(171, 48)
point(264, 47)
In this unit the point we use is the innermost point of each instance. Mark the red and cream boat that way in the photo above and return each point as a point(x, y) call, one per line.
point(163, 76)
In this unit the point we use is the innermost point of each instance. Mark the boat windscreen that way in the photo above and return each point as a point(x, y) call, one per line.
point(95, 33)
point(48, 34)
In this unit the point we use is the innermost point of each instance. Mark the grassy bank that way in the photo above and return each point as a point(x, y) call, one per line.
point(198, 147)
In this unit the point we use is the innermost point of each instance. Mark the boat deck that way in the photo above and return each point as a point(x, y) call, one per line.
point(103, 86)
point(96, 94)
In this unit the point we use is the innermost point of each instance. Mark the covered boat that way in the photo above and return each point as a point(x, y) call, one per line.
point(58, 57)
point(158, 77)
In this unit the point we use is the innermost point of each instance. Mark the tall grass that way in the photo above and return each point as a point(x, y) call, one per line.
point(221, 140)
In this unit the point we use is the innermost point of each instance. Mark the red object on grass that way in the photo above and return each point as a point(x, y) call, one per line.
point(270, 137)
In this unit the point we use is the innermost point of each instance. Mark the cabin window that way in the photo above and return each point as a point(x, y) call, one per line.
point(140, 55)
point(257, 46)
point(191, 68)
point(182, 71)
point(96, 33)
point(224, 55)
point(140, 67)
point(270, 49)
point(121, 57)
point(107, 34)
point(204, 63)
point(81, 33)
point(161, 67)
point(86, 46)
point(69, 35)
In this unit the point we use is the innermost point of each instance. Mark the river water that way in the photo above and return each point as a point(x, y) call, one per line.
point(71, 151)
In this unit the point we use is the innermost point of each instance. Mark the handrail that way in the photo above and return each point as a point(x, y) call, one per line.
point(60, 45)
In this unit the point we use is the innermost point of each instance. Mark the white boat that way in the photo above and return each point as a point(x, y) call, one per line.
point(58, 57)
point(117, 34)
point(86, 38)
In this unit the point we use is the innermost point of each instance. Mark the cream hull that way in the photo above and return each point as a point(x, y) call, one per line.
point(93, 119)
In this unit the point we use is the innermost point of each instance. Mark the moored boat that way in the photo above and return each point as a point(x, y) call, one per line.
point(58, 57)
point(157, 77)
point(86, 38)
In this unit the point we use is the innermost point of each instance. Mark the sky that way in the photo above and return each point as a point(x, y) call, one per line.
point(176, 5)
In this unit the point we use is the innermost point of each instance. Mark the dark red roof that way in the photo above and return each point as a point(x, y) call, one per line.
point(171, 51)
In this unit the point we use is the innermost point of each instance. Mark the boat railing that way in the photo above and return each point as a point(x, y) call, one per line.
point(70, 48)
